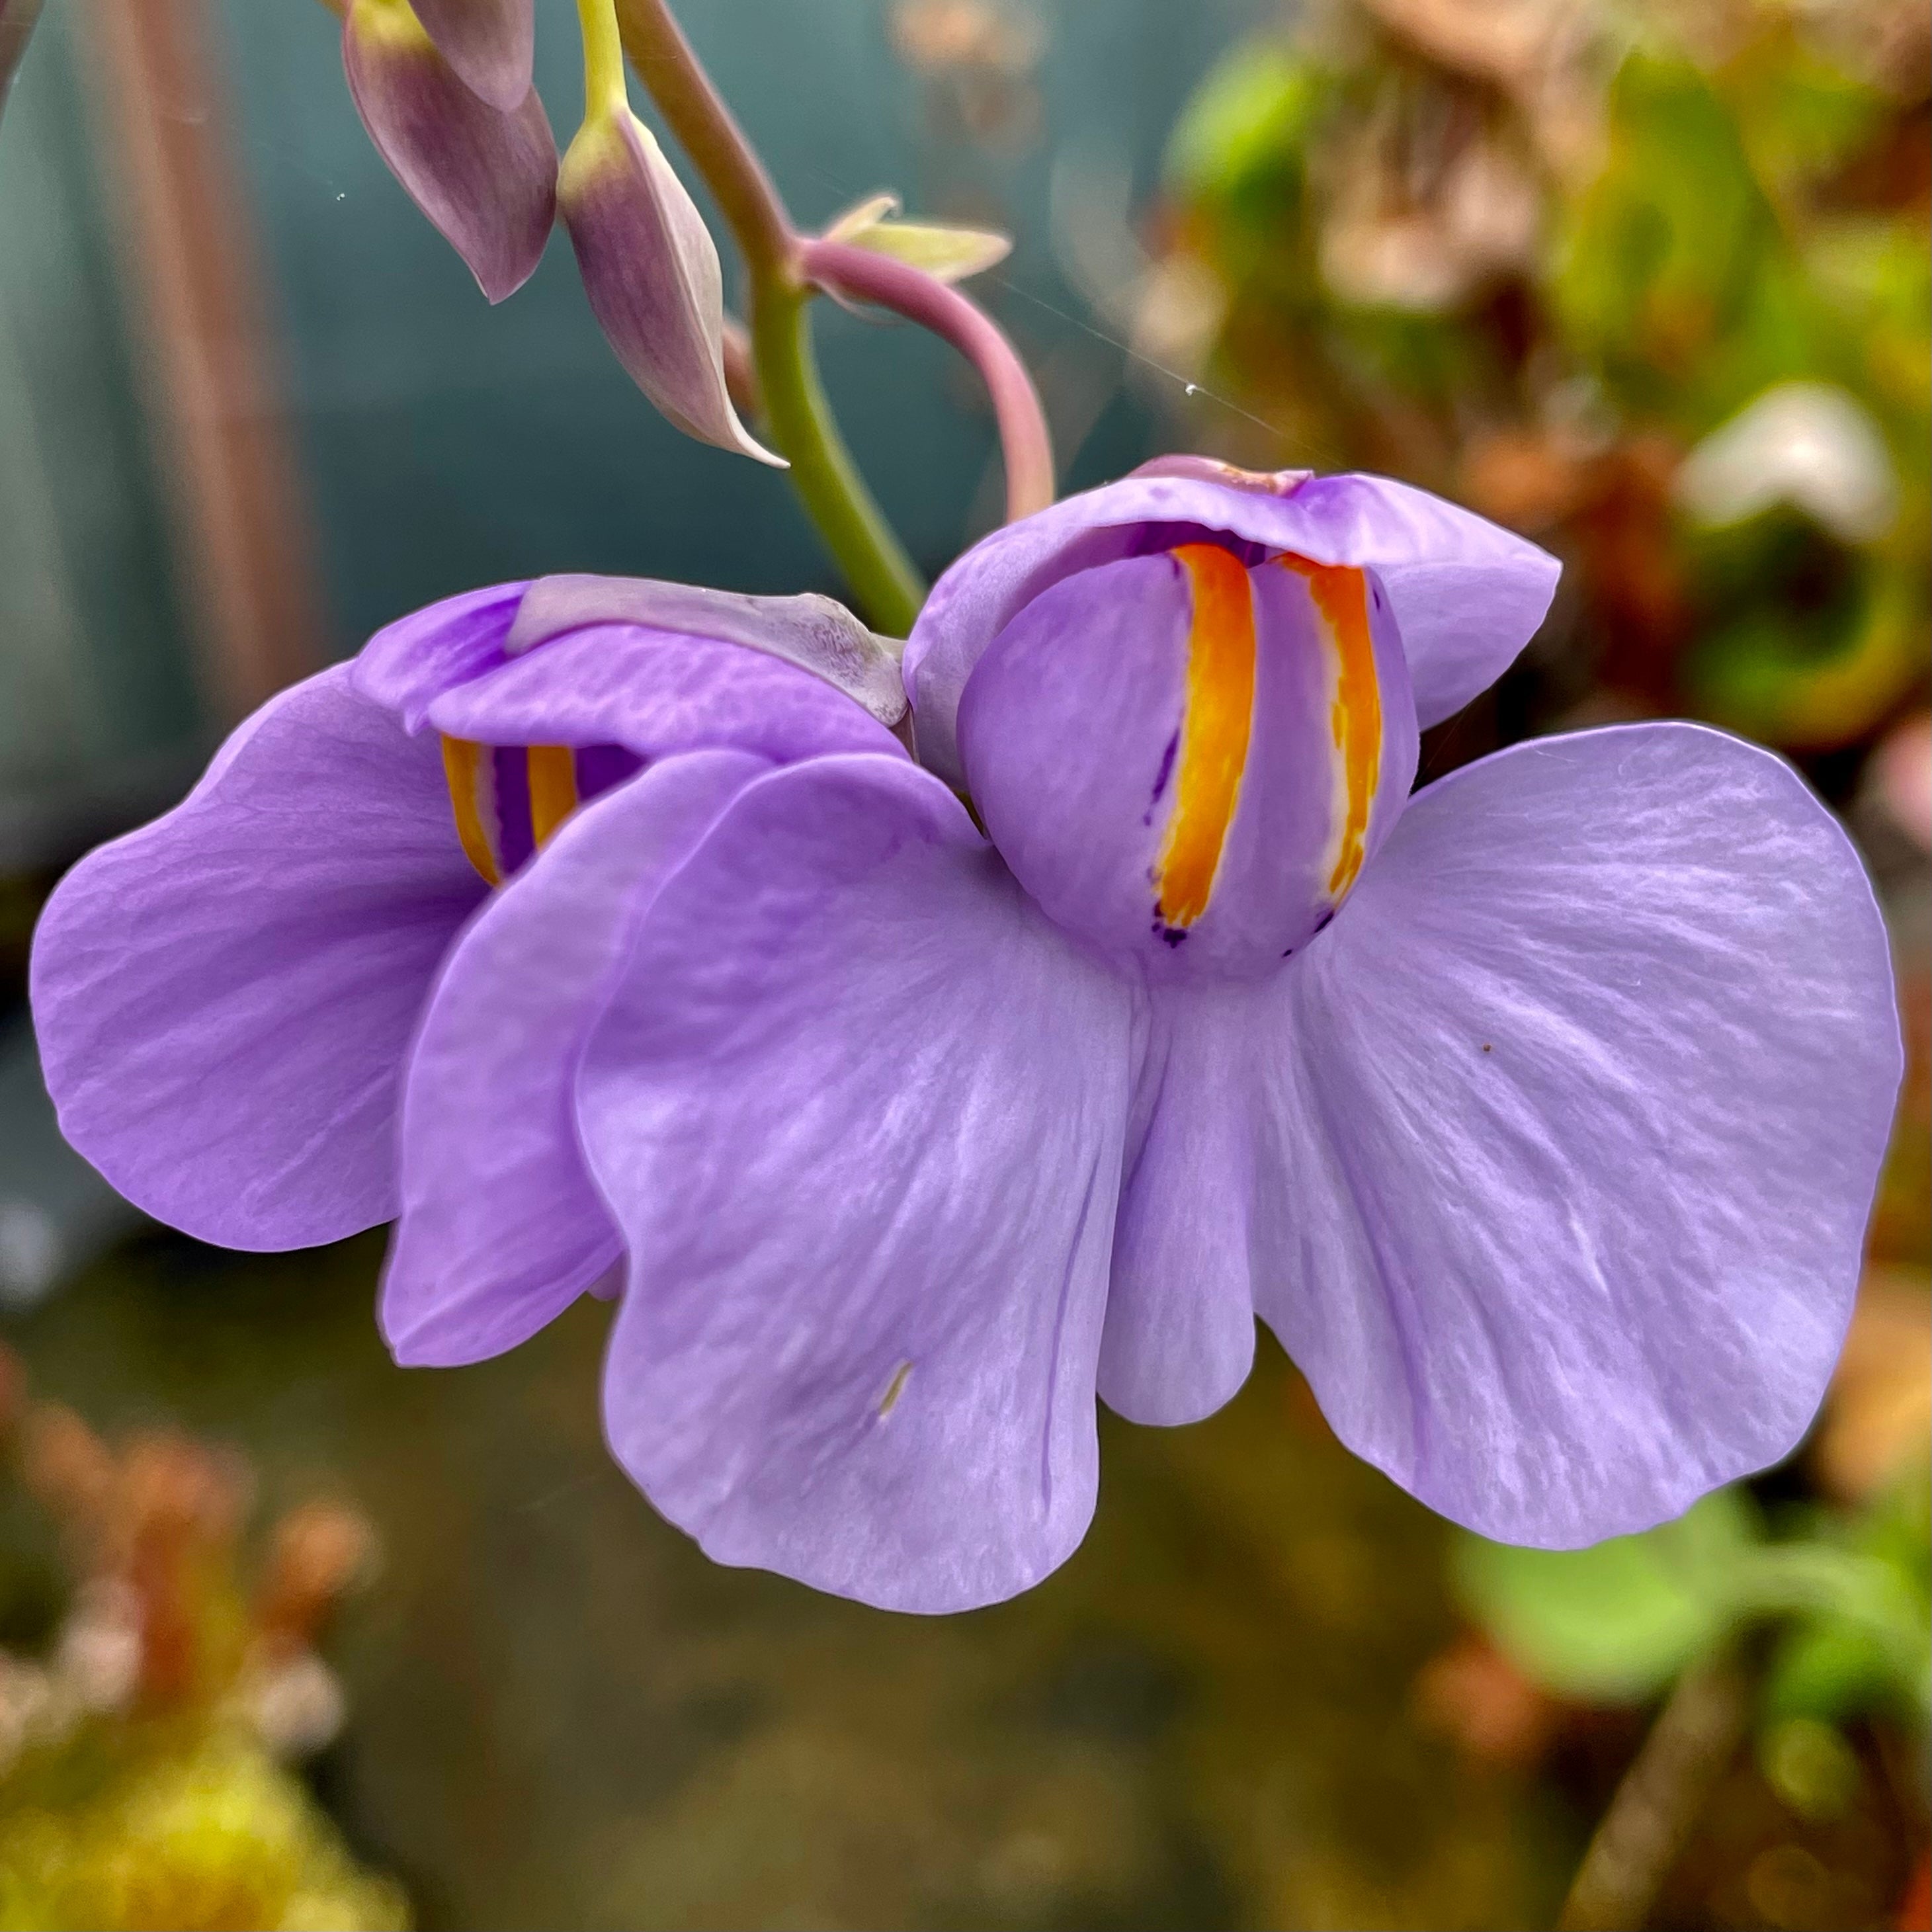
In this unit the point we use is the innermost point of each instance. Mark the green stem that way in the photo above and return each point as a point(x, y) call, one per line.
point(603, 58)
point(889, 588)
point(851, 525)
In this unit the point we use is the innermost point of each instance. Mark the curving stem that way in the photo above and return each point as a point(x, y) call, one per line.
point(863, 275)
point(853, 528)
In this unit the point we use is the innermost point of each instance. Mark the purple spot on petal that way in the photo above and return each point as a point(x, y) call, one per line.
point(1166, 772)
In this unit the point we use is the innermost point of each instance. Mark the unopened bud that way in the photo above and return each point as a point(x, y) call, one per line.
point(650, 268)
point(487, 179)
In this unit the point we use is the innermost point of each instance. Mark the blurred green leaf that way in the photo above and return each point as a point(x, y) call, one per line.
point(1874, 274)
point(1254, 111)
point(1615, 1622)
point(1809, 1765)
point(1828, 1669)
point(1673, 260)
point(1725, 220)
point(1862, 1591)
point(1799, 672)
point(1800, 116)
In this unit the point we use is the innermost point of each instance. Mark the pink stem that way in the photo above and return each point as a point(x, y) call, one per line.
point(862, 274)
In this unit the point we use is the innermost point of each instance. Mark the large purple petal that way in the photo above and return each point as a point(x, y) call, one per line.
point(1566, 1131)
point(223, 997)
point(1467, 595)
point(501, 1229)
point(1180, 1335)
point(857, 1109)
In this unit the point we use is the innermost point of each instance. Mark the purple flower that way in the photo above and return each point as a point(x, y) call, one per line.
point(1539, 1114)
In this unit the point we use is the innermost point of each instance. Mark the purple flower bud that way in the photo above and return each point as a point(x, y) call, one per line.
point(650, 269)
point(487, 179)
point(488, 42)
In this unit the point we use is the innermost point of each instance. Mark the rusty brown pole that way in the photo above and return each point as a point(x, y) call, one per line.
point(208, 341)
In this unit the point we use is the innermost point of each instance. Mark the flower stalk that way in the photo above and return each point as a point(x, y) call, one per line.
point(848, 519)
point(603, 58)
point(863, 275)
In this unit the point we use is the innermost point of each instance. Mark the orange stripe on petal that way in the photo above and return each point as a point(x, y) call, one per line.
point(1214, 732)
point(1340, 593)
point(467, 768)
point(553, 779)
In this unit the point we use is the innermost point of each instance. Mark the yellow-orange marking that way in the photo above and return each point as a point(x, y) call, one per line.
point(1214, 732)
point(1341, 597)
point(467, 768)
point(553, 773)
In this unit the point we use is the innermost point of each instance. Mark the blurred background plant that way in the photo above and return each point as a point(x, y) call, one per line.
point(157, 1690)
point(1801, 1625)
point(1650, 283)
